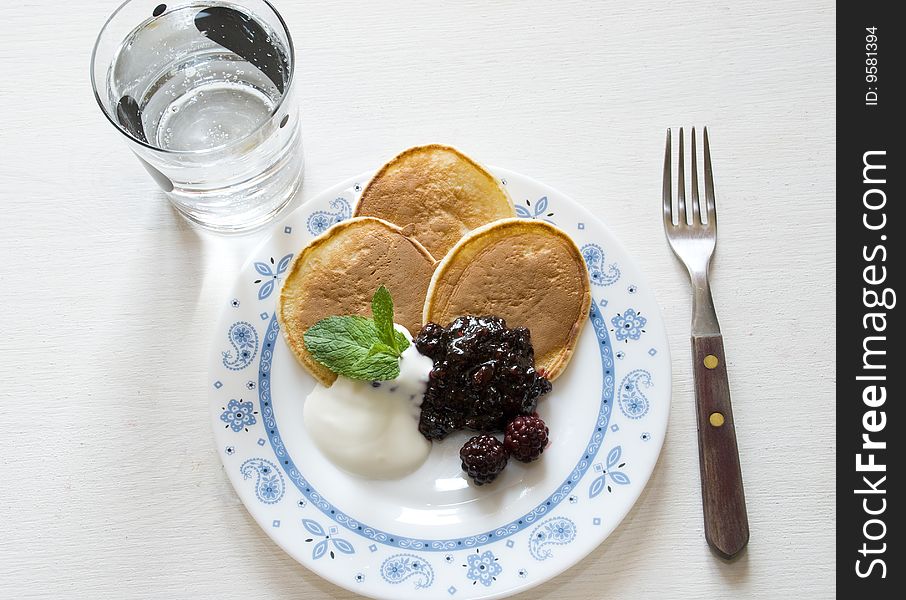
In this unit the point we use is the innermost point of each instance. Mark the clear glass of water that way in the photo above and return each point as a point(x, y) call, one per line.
point(203, 92)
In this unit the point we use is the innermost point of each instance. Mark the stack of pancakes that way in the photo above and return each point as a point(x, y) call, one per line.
point(440, 233)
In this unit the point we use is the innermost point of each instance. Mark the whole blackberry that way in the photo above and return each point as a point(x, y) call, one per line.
point(484, 375)
point(526, 437)
point(483, 458)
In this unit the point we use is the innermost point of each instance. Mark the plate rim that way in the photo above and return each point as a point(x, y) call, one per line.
point(572, 559)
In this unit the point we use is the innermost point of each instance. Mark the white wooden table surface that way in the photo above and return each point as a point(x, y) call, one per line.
point(109, 483)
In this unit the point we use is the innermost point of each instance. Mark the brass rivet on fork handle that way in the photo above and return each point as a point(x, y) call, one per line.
point(693, 237)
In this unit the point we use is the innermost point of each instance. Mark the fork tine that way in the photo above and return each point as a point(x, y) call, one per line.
point(681, 185)
point(696, 210)
point(668, 199)
point(709, 185)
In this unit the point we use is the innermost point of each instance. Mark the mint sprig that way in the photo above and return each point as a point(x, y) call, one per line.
point(358, 347)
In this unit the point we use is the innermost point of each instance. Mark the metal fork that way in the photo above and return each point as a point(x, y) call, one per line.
point(693, 241)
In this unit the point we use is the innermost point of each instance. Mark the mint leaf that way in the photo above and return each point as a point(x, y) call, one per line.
point(401, 342)
point(382, 311)
point(381, 348)
point(339, 343)
point(358, 347)
point(376, 366)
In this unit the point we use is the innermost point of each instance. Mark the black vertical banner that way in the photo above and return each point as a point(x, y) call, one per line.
point(871, 57)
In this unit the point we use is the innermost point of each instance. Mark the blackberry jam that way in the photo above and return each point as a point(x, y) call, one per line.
point(483, 376)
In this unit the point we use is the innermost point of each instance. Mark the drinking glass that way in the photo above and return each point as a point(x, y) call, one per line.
point(204, 94)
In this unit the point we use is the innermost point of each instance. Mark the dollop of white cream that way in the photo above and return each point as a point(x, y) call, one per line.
point(369, 428)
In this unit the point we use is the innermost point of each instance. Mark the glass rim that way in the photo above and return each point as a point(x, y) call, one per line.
point(203, 151)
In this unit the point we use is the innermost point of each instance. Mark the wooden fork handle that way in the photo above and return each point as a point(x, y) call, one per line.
point(723, 498)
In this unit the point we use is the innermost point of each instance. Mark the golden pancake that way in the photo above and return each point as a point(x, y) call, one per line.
point(528, 272)
point(338, 272)
point(437, 193)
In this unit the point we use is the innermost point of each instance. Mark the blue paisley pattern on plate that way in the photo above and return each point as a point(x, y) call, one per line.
point(244, 339)
point(609, 470)
point(400, 567)
point(238, 415)
point(628, 325)
point(599, 272)
point(544, 535)
point(269, 486)
point(439, 545)
point(329, 544)
point(633, 403)
point(321, 220)
point(557, 531)
point(269, 274)
point(539, 211)
point(483, 568)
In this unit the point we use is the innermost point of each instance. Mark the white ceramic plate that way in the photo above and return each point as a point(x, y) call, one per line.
point(432, 534)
